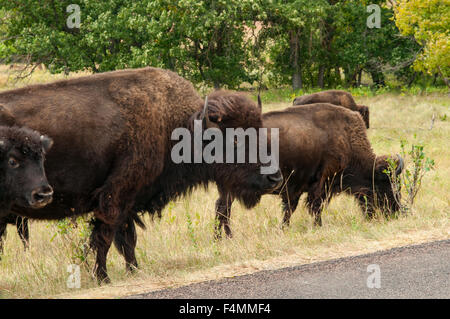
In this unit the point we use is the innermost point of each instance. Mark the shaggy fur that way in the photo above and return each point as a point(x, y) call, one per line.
point(324, 150)
point(336, 97)
point(226, 109)
point(112, 135)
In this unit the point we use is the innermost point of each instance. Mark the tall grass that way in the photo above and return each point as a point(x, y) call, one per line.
point(181, 245)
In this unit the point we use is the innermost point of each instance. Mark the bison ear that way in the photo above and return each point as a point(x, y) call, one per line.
point(47, 143)
point(6, 117)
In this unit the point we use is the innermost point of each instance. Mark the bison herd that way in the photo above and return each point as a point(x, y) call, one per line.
point(107, 148)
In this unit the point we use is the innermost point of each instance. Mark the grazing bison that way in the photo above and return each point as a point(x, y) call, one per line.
point(324, 150)
point(336, 97)
point(22, 176)
point(156, 196)
point(112, 134)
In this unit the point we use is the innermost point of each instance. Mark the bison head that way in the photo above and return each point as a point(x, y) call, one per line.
point(382, 193)
point(22, 176)
point(240, 173)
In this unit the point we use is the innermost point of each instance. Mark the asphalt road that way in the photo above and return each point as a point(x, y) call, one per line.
point(419, 271)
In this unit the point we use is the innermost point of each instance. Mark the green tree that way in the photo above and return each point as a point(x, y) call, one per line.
point(295, 36)
point(203, 40)
point(429, 22)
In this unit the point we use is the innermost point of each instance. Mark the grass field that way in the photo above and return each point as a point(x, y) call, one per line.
point(180, 248)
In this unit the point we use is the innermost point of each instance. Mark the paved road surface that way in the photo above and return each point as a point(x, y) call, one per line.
point(420, 271)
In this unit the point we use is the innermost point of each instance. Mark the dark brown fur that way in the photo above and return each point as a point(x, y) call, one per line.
point(336, 97)
point(27, 148)
point(112, 134)
point(324, 150)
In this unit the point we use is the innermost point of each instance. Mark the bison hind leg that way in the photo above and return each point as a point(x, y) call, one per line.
point(125, 240)
point(315, 202)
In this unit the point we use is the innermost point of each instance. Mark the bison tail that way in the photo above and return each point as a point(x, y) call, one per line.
point(138, 220)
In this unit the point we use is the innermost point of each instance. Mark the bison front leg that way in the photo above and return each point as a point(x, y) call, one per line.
point(290, 202)
point(316, 201)
point(125, 241)
point(101, 239)
point(3, 224)
point(22, 230)
point(223, 212)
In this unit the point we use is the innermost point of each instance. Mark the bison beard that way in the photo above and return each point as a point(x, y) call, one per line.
point(112, 134)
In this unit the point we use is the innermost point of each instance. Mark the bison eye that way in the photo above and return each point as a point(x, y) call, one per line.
point(13, 162)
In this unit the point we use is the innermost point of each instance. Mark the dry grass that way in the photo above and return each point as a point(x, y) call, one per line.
point(11, 76)
point(172, 251)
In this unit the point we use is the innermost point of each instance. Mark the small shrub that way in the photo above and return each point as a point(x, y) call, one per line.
point(411, 178)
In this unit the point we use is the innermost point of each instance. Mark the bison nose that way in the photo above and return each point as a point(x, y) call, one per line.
point(275, 179)
point(41, 196)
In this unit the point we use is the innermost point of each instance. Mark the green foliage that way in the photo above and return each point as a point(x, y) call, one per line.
point(74, 234)
point(421, 164)
point(412, 175)
point(429, 22)
point(303, 43)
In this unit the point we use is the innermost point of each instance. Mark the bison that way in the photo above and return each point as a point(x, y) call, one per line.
point(22, 176)
point(324, 150)
point(112, 134)
point(336, 97)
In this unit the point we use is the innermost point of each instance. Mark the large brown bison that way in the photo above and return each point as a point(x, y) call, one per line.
point(324, 150)
point(22, 176)
point(112, 134)
point(336, 97)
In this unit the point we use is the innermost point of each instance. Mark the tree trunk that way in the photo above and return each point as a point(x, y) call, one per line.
point(297, 83)
point(337, 72)
point(377, 78)
point(411, 81)
point(358, 82)
point(446, 81)
point(321, 76)
point(296, 75)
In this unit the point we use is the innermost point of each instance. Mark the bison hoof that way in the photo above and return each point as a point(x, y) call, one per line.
point(131, 268)
point(103, 281)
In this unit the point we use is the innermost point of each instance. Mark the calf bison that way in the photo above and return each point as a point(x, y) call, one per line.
point(112, 134)
point(324, 150)
point(336, 97)
point(22, 176)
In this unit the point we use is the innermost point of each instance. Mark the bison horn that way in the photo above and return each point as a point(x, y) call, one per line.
point(400, 166)
point(205, 114)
